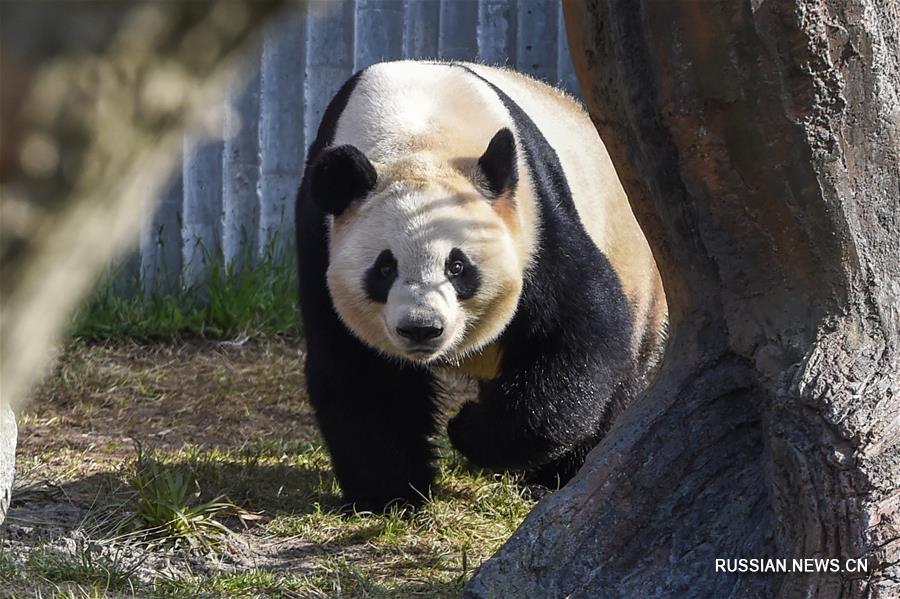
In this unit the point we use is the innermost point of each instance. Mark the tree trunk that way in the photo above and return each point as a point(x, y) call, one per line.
point(92, 113)
point(759, 143)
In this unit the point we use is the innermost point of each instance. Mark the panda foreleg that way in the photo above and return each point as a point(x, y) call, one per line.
point(542, 418)
point(376, 418)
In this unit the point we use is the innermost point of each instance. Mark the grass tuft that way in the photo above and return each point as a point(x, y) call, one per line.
point(258, 299)
point(167, 505)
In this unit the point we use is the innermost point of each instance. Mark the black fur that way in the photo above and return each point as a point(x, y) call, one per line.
point(566, 351)
point(565, 355)
point(375, 415)
point(498, 163)
point(380, 277)
point(467, 283)
point(340, 175)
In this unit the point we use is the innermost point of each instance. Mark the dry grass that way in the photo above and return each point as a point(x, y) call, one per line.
point(227, 425)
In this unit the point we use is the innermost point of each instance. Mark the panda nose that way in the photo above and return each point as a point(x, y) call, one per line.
point(419, 333)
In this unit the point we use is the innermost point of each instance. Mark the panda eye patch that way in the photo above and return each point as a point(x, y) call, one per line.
point(463, 275)
point(380, 277)
point(386, 264)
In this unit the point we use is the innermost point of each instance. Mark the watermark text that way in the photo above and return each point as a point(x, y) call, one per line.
point(808, 565)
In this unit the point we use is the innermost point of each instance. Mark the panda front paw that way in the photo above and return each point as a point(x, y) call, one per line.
point(387, 492)
point(380, 505)
point(469, 435)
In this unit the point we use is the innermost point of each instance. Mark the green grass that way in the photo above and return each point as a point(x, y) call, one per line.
point(258, 299)
point(8, 569)
point(83, 572)
point(85, 567)
point(333, 578)
point(429, 552)
point(195, 501)
point(287, 494)
point(167, 504)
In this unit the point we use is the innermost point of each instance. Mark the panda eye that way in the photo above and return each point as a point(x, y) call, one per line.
point(455, 268)
point(385, 265)
point(379, 278)
point(462, 274)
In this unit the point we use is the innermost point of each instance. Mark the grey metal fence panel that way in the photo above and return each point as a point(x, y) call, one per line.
point(458, 35)
point(379, 31)
point(234, 198)
point(240, 172)
point(282, 137)
point(423, 21)
point(160, 249)
point(201, 209)
point(331, 56)
point(497, 32)
point(565, 73)
point(536, 51)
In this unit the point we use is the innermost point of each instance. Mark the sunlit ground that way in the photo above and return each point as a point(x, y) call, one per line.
point(194, 468)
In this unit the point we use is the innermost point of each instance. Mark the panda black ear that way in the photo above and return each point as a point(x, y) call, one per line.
point(498, 163)
point(339, 176)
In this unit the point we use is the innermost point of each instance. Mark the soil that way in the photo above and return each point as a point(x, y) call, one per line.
point(78, 440)
point(214, 394)
point(83, 424)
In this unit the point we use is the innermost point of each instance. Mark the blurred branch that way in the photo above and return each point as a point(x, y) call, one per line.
point(92, 114)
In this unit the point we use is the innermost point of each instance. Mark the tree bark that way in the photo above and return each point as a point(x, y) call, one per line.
point(759, 143)
point(92, 112)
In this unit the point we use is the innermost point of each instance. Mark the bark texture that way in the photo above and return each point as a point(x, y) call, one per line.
point(92, 113)
point(759, 143)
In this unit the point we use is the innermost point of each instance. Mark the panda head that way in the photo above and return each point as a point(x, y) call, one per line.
point(424, 261)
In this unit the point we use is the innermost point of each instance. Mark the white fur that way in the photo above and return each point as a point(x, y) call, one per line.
point(399, 108)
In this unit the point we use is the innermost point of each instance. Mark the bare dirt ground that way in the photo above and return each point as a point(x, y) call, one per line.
point(232, 418)
point(215, 394)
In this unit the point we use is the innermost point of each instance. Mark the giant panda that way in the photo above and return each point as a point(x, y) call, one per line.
point(456, 217)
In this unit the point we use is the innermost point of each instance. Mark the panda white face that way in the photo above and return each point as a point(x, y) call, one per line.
point(425, 271)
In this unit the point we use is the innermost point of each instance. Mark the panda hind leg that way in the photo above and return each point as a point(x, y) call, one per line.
point(555, 474)
point(559, 471)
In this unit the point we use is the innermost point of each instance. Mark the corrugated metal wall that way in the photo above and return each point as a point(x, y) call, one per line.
point(234, 198)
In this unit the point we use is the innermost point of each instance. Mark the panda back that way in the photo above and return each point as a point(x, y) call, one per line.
point(399, 108)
